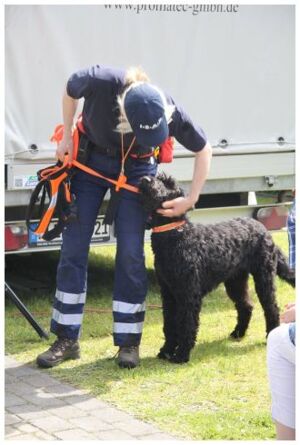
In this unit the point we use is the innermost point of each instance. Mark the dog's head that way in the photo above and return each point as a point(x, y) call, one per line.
point(155, 191)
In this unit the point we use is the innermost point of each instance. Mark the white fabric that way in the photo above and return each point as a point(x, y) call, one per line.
point(67, 319)
point(128, 308)
point(45, 44)
point(68, 298)
point(53, 201)
point(281, 371)
point(128, 328)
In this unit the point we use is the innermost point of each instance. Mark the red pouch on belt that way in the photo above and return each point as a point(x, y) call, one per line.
point(165, 154)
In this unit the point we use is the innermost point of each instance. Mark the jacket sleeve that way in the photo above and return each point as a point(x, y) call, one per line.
point(79, 84)
point(184, 130)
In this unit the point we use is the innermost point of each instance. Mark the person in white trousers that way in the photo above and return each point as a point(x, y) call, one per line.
point(281, 347)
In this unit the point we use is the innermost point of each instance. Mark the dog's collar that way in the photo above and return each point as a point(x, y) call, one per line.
point(167, 227)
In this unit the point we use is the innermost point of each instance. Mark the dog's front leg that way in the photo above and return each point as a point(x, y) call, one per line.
point(187, 323)
point(169, 316)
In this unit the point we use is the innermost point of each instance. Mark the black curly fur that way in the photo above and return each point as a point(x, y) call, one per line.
point(194, 259)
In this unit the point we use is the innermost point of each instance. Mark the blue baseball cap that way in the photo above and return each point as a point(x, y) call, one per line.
point(145, 112)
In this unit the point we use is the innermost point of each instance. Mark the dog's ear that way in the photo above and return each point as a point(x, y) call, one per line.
point(161, 176)
point(168, 181)
point(171, 184)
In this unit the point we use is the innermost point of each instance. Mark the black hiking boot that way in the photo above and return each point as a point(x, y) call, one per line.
point(128, 357)
point(61, 350)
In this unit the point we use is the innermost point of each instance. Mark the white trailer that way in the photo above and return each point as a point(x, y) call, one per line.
point(232, 67)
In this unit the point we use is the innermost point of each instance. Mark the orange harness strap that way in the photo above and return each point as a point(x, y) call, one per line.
point(54, 184)
point(167, 227)
point(121, 182)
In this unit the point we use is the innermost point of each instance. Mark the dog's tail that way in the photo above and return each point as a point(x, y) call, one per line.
point(283, 270)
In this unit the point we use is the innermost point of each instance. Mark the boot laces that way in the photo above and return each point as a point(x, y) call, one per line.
point(59, 344)
point(126, 349)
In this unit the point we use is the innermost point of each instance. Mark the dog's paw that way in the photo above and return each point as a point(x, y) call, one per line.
point(179, 359)
point(164, 355)
point(235, 335)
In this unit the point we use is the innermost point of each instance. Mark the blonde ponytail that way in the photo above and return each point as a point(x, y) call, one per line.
point(135, 74)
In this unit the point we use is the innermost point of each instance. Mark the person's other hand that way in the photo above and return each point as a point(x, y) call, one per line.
point(65, 147)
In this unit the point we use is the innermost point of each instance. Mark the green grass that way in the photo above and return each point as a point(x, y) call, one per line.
point(221, 394)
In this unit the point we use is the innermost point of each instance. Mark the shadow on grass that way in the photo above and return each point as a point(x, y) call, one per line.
point(39, 267)
point(33, 276)
point(223, 347)
point(98, 376)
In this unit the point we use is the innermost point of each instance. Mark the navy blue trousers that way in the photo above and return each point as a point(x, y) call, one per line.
point(130, 281)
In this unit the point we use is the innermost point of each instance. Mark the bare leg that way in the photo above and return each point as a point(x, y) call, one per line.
point(284, 432)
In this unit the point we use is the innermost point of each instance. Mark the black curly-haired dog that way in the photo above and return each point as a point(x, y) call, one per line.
point(192, 260)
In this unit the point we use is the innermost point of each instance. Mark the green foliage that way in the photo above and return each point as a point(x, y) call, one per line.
point(221, 394)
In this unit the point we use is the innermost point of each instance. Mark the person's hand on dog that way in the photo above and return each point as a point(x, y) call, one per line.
point(176, 207)
point(289, 315)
